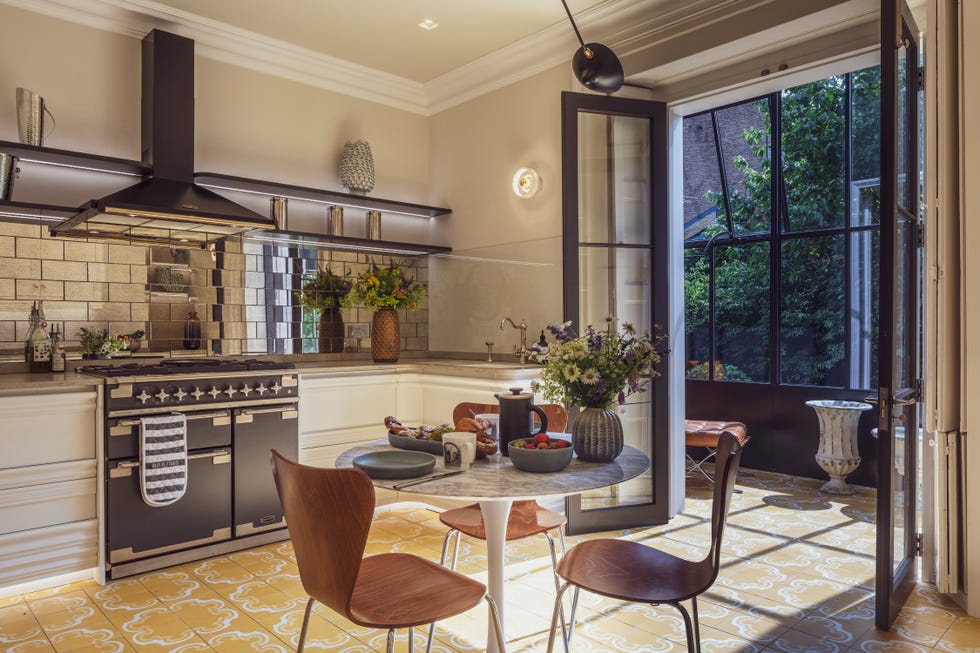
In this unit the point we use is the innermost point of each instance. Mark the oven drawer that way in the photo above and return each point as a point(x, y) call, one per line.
point(205, 429)
point(257, 430)
point(202, 516)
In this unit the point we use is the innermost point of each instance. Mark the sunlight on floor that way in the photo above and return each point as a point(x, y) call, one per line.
point(797, 576)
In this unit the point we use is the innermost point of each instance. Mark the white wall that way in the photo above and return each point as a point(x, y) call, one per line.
point(506, 250)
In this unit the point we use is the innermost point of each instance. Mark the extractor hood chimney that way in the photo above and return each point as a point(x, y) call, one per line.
point(168, 207)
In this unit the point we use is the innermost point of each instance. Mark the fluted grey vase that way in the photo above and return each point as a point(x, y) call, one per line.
point(597, 435)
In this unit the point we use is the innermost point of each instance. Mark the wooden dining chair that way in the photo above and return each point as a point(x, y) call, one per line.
point(526, 518)
point(329, 512)
point(634, 572)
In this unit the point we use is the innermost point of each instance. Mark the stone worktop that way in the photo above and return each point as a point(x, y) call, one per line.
point(503, 371)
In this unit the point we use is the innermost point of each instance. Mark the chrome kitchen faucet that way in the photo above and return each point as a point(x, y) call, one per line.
point(523, 351)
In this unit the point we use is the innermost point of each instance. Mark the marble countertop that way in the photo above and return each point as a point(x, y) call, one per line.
point(443, 366)
point(487, 479)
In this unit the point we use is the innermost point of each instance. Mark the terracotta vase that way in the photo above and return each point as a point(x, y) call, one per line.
point(331, 332)
point(386, 339)
point(597, 435)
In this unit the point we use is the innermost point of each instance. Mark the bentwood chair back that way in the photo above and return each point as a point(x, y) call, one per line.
point(329, 512)
point(631, 571)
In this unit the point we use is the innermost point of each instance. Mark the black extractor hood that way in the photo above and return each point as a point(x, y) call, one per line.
point(167, 208)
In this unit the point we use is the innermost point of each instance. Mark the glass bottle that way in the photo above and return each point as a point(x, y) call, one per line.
point(192, 331)
point(57, 350)
point(38, 346)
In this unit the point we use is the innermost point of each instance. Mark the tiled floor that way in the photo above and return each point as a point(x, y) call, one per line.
point(798, 576)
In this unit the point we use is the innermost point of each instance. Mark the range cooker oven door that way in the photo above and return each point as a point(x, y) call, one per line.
point(202, 516)
point(205, 430)
point(257, 431)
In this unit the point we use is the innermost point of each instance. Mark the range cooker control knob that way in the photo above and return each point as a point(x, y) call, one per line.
point(230, 391)
point(142, 396)
point(180, 394)
point(197, 394)
point(261, 389)
point(246, 389)
point(163, 394)
point(276, 388)
point(214, 392)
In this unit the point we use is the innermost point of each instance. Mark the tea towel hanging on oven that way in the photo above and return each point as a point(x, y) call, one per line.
point(163, 458)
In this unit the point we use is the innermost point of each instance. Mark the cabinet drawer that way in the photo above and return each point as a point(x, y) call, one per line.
point(55, 428)
point(49, 504)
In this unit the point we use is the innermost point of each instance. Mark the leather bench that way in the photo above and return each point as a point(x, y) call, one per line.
point(705, 433)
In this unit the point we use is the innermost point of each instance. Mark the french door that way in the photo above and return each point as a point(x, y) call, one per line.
point(615, 251)
point(899, 386)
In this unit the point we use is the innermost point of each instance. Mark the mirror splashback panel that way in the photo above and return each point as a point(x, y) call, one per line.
point(244, 294)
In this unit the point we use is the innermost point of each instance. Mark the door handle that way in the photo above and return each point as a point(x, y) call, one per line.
point(905, 397)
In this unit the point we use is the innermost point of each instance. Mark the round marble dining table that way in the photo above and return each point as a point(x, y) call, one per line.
point(496, 484)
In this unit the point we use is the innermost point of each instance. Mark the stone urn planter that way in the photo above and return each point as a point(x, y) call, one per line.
point(838, 451)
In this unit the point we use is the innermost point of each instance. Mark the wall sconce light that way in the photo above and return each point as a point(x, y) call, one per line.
point(526, 183)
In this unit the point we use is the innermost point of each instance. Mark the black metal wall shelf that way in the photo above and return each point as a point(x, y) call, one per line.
point(227, 182)
point(69, 159)
point(303, 239)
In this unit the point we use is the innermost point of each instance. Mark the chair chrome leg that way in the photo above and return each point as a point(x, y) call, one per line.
point(411, 639)
point(688, 628)
point(571, 616)
point(554, 618)
point(442, 561)
point(554, 573)
point(445, 546)
point(498, 629)
point(697, 624)
point(459, 536)
point(391, 641)
point(306, 624)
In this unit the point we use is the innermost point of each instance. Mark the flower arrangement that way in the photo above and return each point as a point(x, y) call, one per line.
point(99, 342)
point(598, 368)
point(325, 290)
point(385, 287)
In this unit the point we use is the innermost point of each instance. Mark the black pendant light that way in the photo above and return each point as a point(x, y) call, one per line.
point(595, 65)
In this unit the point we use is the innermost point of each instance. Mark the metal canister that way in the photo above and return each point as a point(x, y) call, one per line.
point(335, 221)
point(30, 116)
point(8, 170)
point(374, 225)
point(280, 212)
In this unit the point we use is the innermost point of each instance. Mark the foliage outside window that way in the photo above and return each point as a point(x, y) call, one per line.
point(781, 236)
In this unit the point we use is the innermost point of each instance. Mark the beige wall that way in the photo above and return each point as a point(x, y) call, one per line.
point(506, 250)
point(970, 76)
point(247, 124)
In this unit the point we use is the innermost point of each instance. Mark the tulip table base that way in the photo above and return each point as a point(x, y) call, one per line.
point(496, 484)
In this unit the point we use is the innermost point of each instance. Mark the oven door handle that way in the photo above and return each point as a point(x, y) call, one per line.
point(218, 455)
point(192, 416)
point(246, 416)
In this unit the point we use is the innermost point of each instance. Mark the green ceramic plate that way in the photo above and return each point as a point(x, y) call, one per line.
point(395, 464)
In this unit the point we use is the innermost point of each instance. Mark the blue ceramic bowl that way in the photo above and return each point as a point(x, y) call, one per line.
point(539, 461)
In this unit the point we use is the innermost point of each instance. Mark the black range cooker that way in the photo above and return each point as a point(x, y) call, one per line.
point(236, 411)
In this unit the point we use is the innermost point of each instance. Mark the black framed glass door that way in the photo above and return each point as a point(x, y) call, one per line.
point(615, 251)
point(899, 388)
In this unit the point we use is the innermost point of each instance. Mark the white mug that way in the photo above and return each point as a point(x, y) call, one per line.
point(459, 449)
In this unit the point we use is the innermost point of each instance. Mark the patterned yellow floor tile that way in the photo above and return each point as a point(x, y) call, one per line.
point(794, 641)
point(90, 640)
point(962, 636)
point(18, 625)
point(33, 645)
point(157, 628)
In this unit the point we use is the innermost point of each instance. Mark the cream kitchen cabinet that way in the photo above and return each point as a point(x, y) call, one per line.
point(49, 531)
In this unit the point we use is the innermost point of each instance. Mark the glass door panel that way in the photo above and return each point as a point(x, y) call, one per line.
point(614, 182)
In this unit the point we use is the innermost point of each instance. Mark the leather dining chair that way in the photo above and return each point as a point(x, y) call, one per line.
point(329, 512)
point(527, 518)
point(637, 573)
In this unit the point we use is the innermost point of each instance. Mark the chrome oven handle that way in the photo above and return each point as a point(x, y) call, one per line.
point(274, 409)
point(192, 416)
point(126, 464)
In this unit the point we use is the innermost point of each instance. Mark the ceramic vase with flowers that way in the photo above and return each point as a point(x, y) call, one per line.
point(386, 289)
point(596, 371)
point(323, 293)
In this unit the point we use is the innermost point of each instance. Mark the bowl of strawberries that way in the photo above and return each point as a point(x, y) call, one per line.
point(541, 454)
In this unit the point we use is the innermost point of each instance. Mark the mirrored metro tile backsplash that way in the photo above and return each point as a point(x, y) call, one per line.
point(243, 293)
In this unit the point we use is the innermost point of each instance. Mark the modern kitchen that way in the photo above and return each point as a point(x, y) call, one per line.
point(178, 178)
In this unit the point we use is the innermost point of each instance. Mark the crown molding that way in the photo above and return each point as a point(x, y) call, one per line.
point(625, 25)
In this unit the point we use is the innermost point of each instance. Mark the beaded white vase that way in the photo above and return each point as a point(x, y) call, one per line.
point(357, 167)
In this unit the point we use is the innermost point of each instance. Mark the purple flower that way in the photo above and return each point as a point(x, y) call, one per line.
point(622, 398)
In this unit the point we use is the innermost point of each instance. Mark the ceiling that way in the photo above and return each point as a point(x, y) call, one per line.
point(384, 34)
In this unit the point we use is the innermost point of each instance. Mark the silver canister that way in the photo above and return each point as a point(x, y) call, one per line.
point(335, 221)
point(8, 171)
point(280, 212)
point(374, 225)
point(30, 116)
